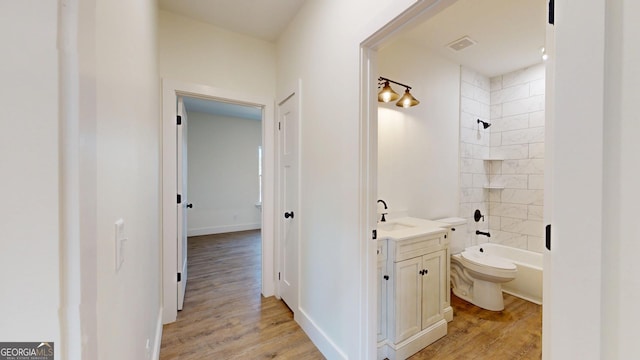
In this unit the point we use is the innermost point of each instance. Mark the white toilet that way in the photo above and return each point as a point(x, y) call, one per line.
point(476, 276)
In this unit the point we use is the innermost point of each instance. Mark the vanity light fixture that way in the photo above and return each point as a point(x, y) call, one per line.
point(387, 94)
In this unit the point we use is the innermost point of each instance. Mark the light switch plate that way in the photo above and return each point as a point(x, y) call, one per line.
point(120, 239)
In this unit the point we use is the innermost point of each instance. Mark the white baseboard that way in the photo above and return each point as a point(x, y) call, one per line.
point(327, 347)
point(157, 342)
point(222, 229)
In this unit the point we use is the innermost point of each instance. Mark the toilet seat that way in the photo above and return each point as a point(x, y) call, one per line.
point(488, 260)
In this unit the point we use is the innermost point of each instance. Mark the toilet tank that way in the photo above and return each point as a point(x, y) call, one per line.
point(458, 235)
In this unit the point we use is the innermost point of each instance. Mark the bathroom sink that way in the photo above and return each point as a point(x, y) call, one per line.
point(391, 226)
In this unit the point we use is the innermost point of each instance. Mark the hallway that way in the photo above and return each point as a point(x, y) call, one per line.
point(225, 316)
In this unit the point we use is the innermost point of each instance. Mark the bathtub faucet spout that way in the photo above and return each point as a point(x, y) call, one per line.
point(478, 232)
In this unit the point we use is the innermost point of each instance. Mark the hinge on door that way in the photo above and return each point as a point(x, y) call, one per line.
point(552, 9)
point(548, 237)
point(374, 234)
point(179, 120)
point(278, 125)
point(278, 275)
point(179, 277)
point(179, 198)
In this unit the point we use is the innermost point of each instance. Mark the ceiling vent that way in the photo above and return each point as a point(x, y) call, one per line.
point(461, 44)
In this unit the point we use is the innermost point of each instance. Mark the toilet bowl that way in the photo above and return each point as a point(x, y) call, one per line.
point(475, 276)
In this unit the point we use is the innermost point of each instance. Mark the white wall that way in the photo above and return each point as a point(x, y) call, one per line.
point(620, 285)
point(418, 147)
point(223, 173)
point(200, 53)
point(321, 47)
point(29, 245)
point(517, 136)
point(127, 158)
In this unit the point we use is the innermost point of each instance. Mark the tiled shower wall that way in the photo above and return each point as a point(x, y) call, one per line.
point(517, 136)
point(475, 97)
point(514, 104)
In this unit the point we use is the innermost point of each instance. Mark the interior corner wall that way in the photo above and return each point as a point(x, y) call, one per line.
point(223, 173)
point(127, 137)
point(321, 47)
point(418, 147)
point(475, 140)
point(200, 53)
point(30, 255)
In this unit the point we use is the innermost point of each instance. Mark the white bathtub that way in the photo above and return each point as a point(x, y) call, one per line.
point(528, 282)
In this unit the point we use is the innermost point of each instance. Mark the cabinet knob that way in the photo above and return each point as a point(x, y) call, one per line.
point(425, 271)
point(386, 277)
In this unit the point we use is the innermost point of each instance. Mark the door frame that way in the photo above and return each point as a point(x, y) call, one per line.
point(171, 89)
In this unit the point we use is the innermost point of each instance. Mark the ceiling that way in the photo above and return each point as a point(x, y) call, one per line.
point(508, 33)
point(222, 108)
point(263, 19)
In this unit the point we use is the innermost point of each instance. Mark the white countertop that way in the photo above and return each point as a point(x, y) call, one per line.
point(409, 227)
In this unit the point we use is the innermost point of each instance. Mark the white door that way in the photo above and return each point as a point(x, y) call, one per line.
point(182, 204)
point(289, 217)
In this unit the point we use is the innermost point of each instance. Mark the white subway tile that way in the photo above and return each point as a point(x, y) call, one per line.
point(466, 180)
point(496, 140)
point(522, 197)
point(536, 151)
point(512, 93)
point(495, 196)
point(472, 166)
point(536, 212)
point(522, 76)
point(475, 78)
point(496, 83)
point(535, 244)
point(524, 136)
point(523, 227)
point(527, 166)
point(495, 111)
point(518, 211)
point(514, 181)
point(467, 90)
point(493, 167)
point(479, 180)
point(536, 119)
point(475, 136)
point(511, 151)
point(471, 195)
point(469, 105)
point(537, 87)
point(494, 222)
point(516, 122)
point(509, 239)
point(530, 104)
point(468, 121)
point(536, 182)
point(466, 150)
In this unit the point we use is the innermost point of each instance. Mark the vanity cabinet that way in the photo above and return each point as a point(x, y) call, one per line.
point(419, 293)
point(418, 301)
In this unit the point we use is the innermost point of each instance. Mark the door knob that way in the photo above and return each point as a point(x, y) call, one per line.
point(190, 206)
point(288, 215)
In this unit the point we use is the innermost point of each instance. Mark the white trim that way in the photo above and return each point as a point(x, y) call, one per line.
point(327, 347)
point(210, 230)
point(170, 91)
point(157, 340)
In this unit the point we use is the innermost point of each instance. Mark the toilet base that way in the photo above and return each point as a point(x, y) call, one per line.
point(482, 293)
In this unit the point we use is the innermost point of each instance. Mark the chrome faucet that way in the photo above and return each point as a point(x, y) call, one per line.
point(384, 213)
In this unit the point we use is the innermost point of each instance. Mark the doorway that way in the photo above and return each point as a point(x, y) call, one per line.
point(370, 70)
point(172, 90)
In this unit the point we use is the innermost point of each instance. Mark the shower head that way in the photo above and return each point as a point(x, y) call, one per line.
point(484, 123)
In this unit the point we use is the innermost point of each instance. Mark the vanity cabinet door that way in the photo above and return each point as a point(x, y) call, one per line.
point(383, 284)
point(433, 287)
point(408, 298)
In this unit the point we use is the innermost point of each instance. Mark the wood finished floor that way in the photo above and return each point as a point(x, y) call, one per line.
point(225, 317)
